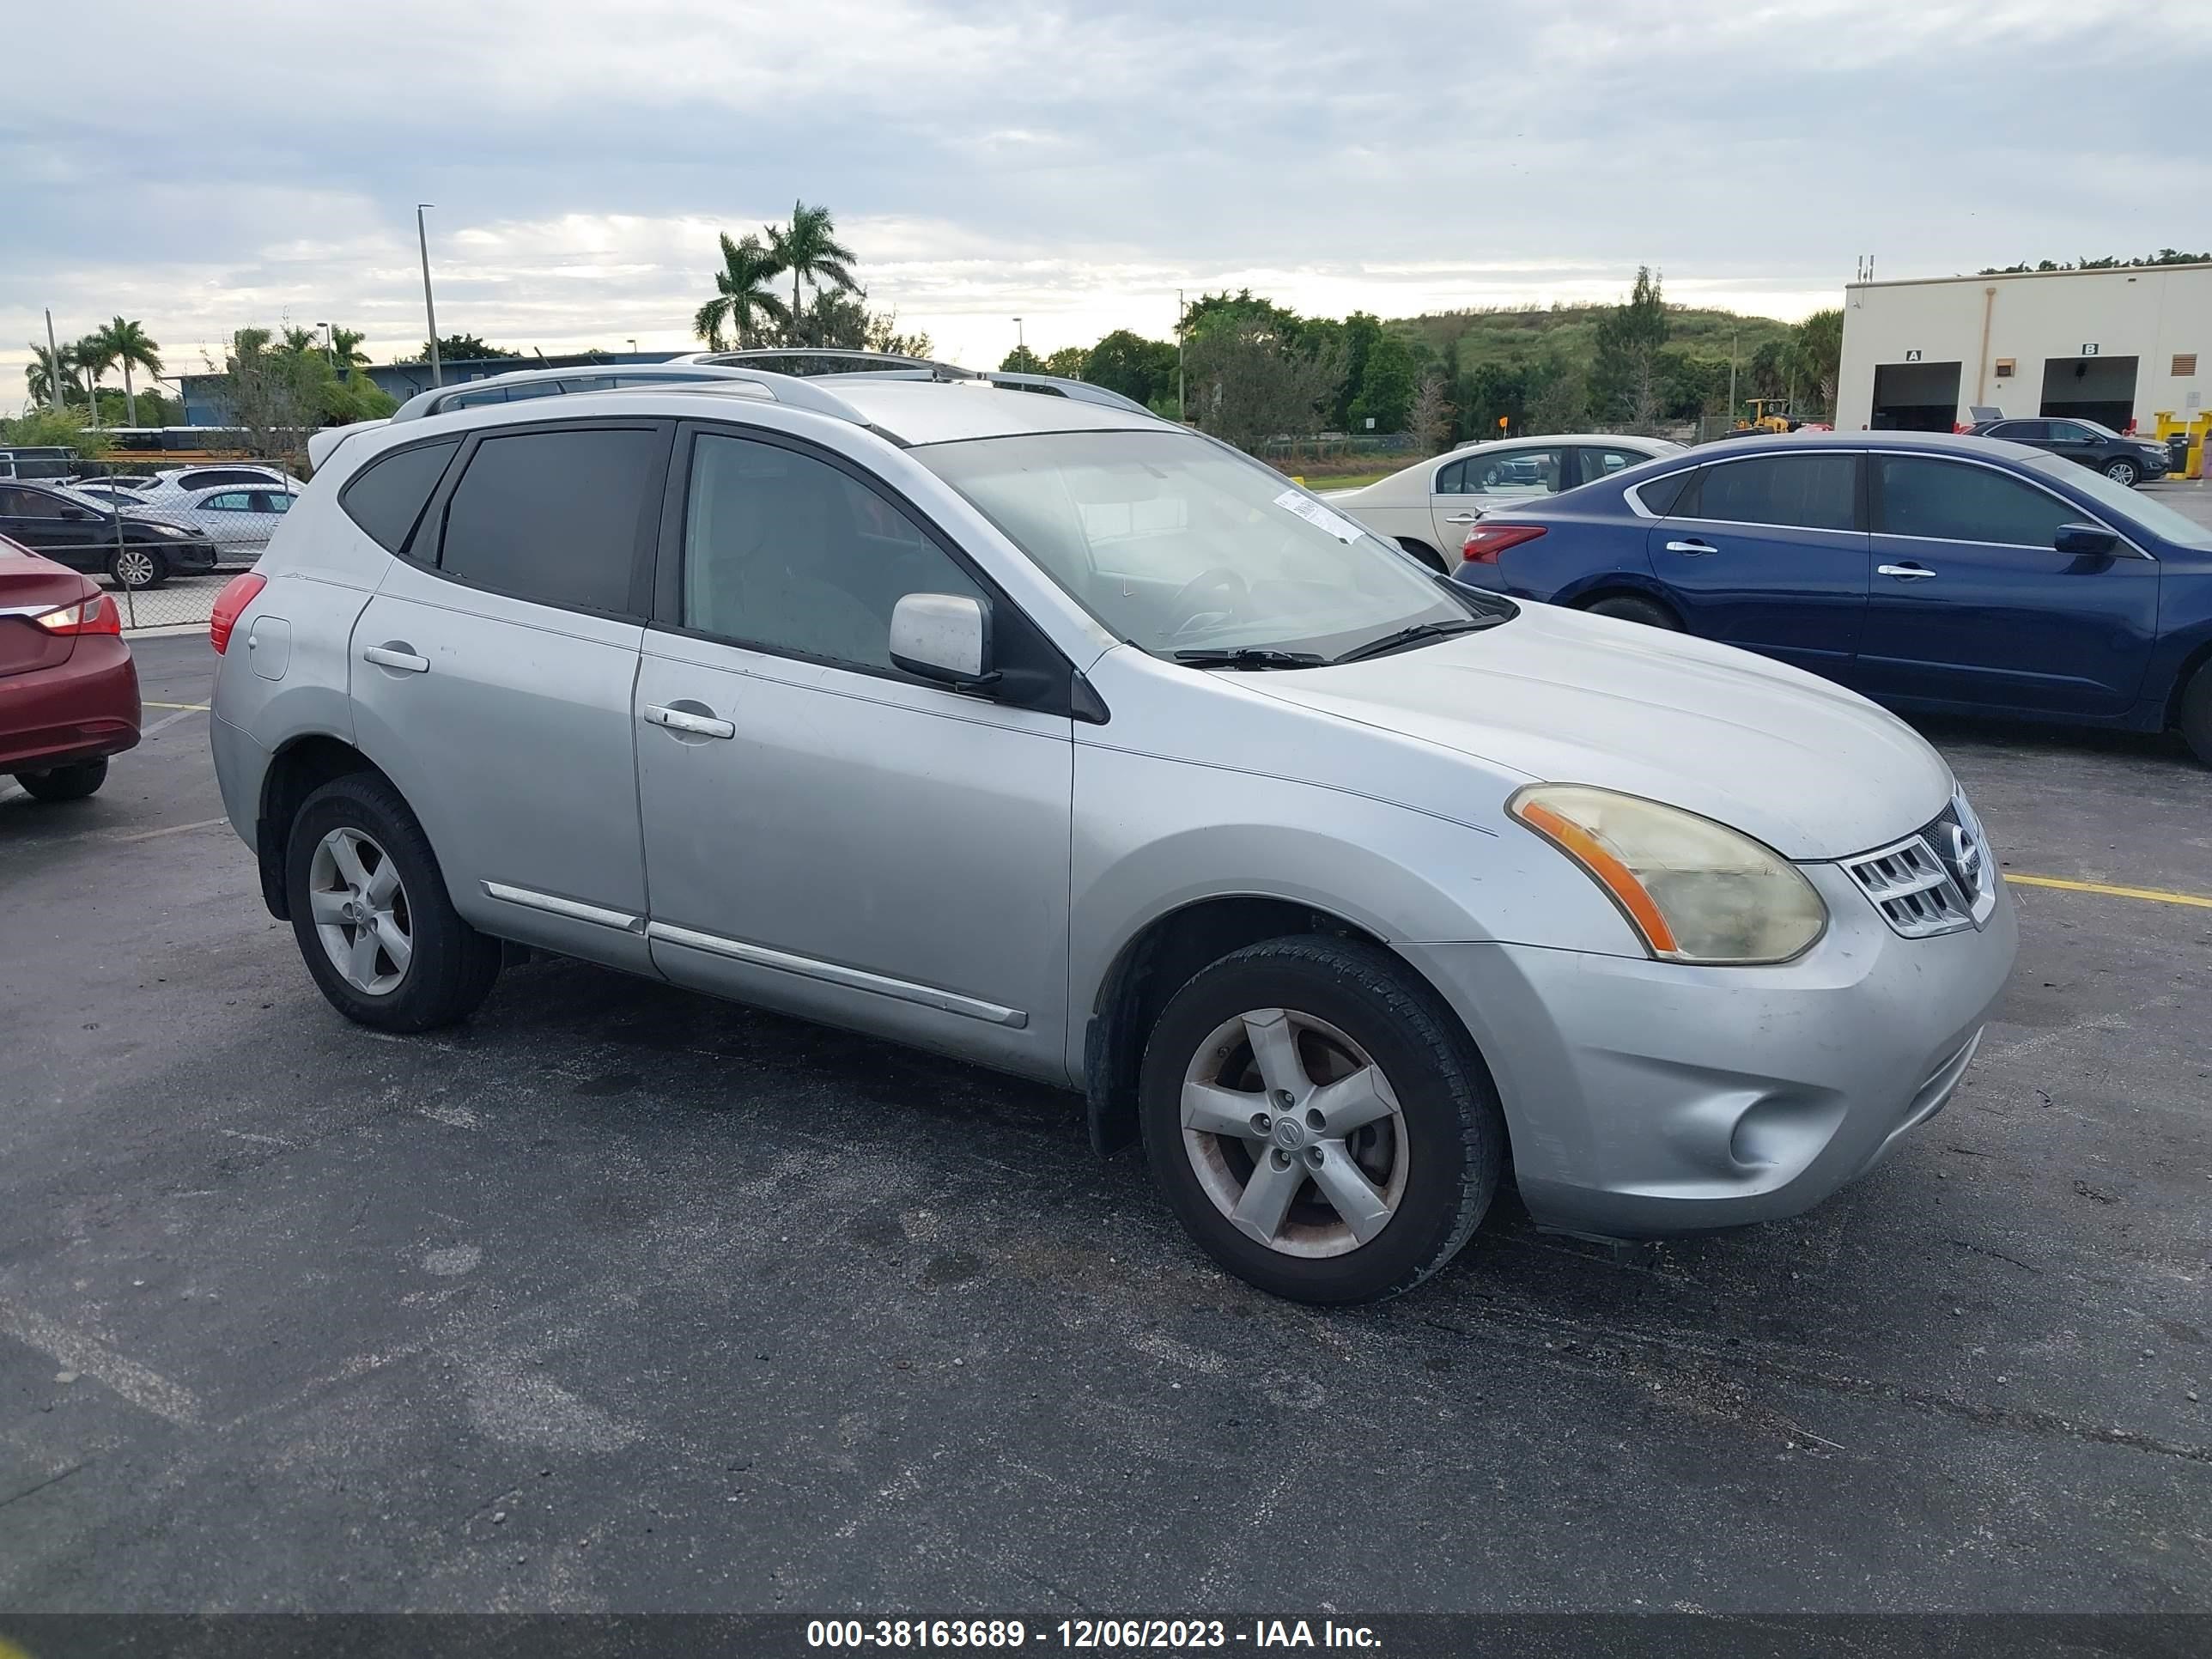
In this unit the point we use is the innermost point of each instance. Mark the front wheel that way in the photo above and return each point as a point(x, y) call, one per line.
point(1628, 608)
point(138, 567)
point(65, 783)
point(2122, 472)
point(2196, 712)
point(371, 914)
point(1319, 1121)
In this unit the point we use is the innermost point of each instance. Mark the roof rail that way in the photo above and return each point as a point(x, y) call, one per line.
point(1081, 391)
point(792, 390)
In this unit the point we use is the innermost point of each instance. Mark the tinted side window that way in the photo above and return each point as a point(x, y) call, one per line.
point(2022, 431)
point(553, 517)
point(1451, 480)
point(788, 553)
point(1604, 463)
point(388, 496)
point(1661, 495)
point(1805, 492)
point(1951, 502)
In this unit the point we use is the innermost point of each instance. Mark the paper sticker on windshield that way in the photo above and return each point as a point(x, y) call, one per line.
point(1314, 514)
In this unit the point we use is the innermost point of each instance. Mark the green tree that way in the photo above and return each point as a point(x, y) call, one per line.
point(1489, 393)
point(279, 390)
point(346, 354)
point(1387, 387)
point(64, 427)
point(1361, 332)
point(882, 334)
point(1250, 380)
point(741, 297)
point(461, 348)
point(1625, 378)
point(809, 249)
point(1816, 353)
point(126, 345)
point(95, 359)
point(1022, 361)
point(1128, 363)
point(51, 376)
point(1067, 362)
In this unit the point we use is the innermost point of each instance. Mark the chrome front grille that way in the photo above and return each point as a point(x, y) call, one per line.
point(1938, 881)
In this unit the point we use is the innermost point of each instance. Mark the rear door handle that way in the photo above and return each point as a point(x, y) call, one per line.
point(1692, 547)
point(397, 653)
point(683, 720)
point(1462, 518)
point(1905, 573)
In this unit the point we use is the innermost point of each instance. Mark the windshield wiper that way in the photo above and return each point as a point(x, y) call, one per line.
point(1415, 635)
point(1250, 656)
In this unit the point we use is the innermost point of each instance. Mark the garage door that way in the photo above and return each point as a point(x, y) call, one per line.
point(2101, 389)
point(1915, 397)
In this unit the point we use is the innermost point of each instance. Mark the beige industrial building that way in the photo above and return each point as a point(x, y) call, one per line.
point(2113, 346)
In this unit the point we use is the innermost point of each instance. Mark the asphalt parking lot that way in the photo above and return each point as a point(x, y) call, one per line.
point(620, 1298)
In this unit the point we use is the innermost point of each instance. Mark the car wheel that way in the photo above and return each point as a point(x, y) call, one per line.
point(1421, 550)
point(1321, 1123)
point(2122, 472)
point(370, 911)
point(2196, 712)
point(65, 783)
point(137, 568)
point(1629, 607)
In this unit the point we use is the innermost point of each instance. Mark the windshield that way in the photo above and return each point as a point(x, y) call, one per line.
point(2127, 505)
point(1178, 545)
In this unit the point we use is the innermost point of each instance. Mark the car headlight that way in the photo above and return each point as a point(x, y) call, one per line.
point(1694, 890)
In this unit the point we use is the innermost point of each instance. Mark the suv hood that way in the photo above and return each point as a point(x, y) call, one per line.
point(1812, 770)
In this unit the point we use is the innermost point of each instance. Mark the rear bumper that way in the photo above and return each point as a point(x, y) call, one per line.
point(77, 711)
point(1646, 1099)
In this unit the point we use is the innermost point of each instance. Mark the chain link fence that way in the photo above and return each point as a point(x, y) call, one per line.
point(180, 533)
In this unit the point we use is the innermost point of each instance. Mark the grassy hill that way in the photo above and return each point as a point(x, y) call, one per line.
point(1520, 338)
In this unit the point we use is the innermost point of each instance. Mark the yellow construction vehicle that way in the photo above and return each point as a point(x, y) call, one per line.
point(1768, 415)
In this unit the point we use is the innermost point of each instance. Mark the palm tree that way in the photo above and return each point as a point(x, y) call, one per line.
point(747, 268)
point(808, 248)
point(93, 357)
point(50, 375)
point(127, 344)
point(345, 348)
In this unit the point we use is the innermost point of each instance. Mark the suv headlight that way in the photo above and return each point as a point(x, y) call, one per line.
point(1694, 890)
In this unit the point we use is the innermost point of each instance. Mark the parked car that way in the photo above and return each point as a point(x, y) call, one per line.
point(173, 484)
point(125, 492)
point(1930, 572)
point(69, 692)
point(2123, 460)
point(1069, 742)
point(1426, 508)
point(240, 522)
point(136, 548)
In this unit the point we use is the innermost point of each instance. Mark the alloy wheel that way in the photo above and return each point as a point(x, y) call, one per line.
point(134, 568)
point(2122, 472)
point(359, 905)
point(1294, 1132)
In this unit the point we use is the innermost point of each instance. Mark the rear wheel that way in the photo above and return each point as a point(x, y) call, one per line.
point(2122, 472)
point(1421, 550)
point(137, 566)
point(65, 783)
point(1629, 607)
point(2196, 712)
point(369, 911)
point(1319, 1121)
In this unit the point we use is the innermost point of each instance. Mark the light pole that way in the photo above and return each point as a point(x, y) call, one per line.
point(633, 347)
point(1020, 349)
point(327, 341)
point(422, 240)
point(54, 362)
point(1182, 412)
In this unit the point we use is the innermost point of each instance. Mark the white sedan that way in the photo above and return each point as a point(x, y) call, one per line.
point(1427, 508)
point(240, 522)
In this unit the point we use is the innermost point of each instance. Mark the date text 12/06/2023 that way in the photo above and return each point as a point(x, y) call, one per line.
point(1111, 1635)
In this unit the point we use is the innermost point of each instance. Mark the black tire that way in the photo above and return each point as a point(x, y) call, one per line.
point(126, 564)
point(1454, 1132)
point(451, 967)
point(1628, 608)
point(2124, 472)
point(1427, 554)
point(2196, 712)
point(65, 783)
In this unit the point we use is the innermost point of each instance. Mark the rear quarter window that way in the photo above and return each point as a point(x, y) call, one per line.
point(386, 497)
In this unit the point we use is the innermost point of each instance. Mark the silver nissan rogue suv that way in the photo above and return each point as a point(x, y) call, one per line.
point(1042, 733)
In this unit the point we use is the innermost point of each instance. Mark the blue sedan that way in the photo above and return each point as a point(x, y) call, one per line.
point(1931, 572)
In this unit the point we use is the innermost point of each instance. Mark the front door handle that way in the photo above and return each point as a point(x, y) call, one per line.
point(397, 653)
point(1905, 573)
point(1692, 547)
point(1462, 518)
point(683, 720)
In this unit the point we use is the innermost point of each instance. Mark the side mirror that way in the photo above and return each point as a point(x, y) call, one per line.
point(2086, 541)
point(944, 637)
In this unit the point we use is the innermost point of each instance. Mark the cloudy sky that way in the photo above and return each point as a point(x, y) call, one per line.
point(1074, 165)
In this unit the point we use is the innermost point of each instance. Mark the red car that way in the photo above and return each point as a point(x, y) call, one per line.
point(69, 692)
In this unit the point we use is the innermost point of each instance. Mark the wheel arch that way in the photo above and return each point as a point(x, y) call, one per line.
point(295, 772)
point(2199, 661)
point(1623, 586)
point(1422, 551)
point(1158, 960)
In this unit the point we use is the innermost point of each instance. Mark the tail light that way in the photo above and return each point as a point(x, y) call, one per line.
point(237, 593)
point(96, 615)
point(1487, 541)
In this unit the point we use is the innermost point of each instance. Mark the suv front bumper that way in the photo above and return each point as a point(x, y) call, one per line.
point(1647, 1098)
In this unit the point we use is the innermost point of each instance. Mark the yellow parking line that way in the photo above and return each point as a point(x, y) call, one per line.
point(195, 708)
point(2157, 895)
